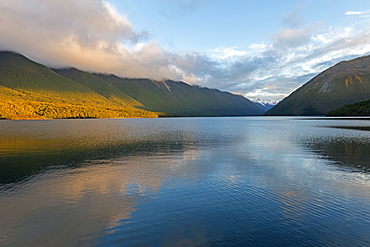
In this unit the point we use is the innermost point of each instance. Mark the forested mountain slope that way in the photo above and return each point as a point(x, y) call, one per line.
point(32, 90)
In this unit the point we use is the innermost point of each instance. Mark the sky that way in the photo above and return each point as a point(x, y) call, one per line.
point(257, 48)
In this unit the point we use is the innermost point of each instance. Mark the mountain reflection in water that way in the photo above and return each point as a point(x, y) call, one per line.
point(186, 181)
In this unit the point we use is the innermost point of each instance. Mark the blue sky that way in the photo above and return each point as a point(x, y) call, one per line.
point(204, 25)
point(257, 48)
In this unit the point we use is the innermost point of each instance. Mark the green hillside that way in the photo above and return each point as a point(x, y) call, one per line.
point(31, 90)
point(179, 98)
point(149, 99)
point(99, 86)
point(345, 83)
point(361, 108)
point(35, 80)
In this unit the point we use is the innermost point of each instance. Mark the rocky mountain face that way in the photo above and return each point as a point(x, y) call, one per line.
point(345, 83)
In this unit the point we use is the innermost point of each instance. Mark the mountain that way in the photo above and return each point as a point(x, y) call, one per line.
point(264, 104)
point(344, 83)
point(361, 108)
point(179, 98)
point(99, 86)
point(32, 90)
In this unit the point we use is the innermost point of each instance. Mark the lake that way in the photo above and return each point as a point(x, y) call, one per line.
point(247, 181)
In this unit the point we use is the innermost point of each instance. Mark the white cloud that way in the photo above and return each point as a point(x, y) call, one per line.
point(354, 13)
point(93, 35)
point(258, 46)
point(293, 57)
point(363, 14)
point(88, 34)
point(227, 52)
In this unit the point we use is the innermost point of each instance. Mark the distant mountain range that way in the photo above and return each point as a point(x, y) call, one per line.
point(32, 90)
point(265, 104)
point(344, 83)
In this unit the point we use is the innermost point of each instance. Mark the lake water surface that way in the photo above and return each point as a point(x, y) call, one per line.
point(253, 181)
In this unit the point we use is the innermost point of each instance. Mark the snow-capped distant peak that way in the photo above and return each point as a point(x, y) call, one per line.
point(264, 103)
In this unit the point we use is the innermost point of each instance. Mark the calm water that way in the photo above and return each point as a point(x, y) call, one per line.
point(185, 182)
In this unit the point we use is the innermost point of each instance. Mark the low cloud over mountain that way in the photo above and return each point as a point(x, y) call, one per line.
point(93, 35)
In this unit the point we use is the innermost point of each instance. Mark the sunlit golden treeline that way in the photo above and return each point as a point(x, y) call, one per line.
point(18, 108)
